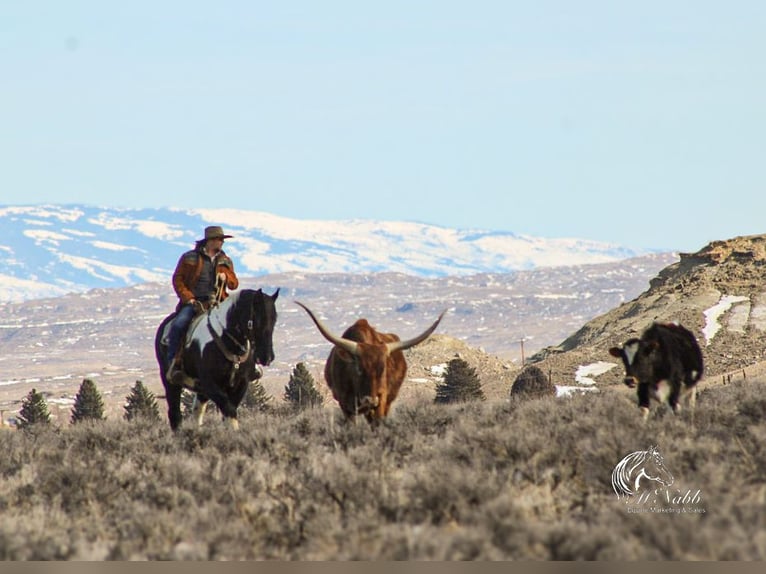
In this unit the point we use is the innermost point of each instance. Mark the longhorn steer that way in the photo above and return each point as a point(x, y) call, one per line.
point(365, 368)
point(665, 363)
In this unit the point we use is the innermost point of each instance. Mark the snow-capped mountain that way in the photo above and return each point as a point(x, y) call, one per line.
point(50, 250)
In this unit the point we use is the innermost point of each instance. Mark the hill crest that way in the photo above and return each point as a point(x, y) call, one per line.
point(718, 292)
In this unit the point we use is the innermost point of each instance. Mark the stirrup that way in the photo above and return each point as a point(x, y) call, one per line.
point(173, 372)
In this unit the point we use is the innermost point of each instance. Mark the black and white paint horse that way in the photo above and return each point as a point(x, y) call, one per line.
point(637, 471)
point(221, 351)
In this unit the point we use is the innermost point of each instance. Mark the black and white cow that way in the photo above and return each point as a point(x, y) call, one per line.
point(664, 364)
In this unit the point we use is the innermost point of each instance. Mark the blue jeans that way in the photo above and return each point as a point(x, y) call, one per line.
point(177, 331)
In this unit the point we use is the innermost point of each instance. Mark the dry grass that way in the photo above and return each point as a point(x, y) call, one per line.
point(494, 480)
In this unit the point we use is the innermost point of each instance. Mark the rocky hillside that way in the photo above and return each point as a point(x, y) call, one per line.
point(719, 293)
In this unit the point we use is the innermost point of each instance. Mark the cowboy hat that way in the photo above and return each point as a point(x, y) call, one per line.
point(215, 232)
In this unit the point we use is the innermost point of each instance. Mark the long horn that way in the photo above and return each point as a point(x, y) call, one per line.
point(346, 344)
point(403, 345)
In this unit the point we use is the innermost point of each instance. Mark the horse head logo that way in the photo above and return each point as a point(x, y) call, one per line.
point(637, 472)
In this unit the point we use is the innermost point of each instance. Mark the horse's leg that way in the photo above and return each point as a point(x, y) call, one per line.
point(219, 398)
point(173, 397)
point(199, 408)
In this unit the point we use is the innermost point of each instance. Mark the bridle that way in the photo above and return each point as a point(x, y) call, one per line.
point(246, 349)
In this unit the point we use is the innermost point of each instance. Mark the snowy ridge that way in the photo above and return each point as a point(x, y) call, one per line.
point(54, 249)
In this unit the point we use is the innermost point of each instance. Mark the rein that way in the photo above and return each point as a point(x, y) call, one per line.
point(235, 359)
point(231, 357)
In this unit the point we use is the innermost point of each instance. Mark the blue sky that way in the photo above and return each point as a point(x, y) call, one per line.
point(638, 123)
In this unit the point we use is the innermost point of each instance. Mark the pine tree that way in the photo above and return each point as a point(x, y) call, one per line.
point(141, 404)
point(34, 410)
point(256, 397)
point(301, 390)
point(461, 383)
point(88, 404)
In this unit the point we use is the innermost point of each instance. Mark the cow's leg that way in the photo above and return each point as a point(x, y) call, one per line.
point(675, 393)
point(689, 393)
point(383, 405)
point(692, 401)
point(692, 398)
point(664, 391)
point(643, 400)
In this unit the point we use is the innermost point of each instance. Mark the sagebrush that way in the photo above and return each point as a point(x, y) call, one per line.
point(471, 480)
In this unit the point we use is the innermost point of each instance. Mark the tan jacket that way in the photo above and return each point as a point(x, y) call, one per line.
point(188, 270)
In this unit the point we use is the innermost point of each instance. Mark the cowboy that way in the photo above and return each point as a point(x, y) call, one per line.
point(198, 274)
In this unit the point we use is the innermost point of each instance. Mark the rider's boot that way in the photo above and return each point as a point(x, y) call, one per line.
point(174, 371)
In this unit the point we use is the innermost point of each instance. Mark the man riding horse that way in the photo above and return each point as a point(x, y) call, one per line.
point(202, 277)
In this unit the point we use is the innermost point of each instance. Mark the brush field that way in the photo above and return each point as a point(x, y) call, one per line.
point(491, 480)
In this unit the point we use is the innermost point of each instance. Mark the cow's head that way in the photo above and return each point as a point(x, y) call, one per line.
point(371, 360)
point(637, 358)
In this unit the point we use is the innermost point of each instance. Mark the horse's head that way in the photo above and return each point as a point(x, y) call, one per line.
point(263, 318)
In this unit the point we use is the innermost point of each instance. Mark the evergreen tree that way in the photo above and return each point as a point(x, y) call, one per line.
point(34, 410)
point(461, 383)
point(141, 404)
point(301, 390)
point(88, 404)
point(256, 397)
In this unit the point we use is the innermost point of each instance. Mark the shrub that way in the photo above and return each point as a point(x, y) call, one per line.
point(88, 404)
point(461, 383)
point(532, 383)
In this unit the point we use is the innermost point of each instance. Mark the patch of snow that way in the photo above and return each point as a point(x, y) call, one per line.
point(712, 326)
point(9, 382)
point(584, 372)
point(113, 246)
point(568, 391)
point(96, 268)
point(556, 296)
point(439, 370)
point(147, 227)
point(14, 289)
point(44, 211)
point(61, 401)
point(45, 236)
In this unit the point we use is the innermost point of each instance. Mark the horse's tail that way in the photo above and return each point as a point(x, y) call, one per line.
point(159, 348)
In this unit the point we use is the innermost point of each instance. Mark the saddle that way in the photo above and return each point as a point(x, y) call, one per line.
point(179, 376)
